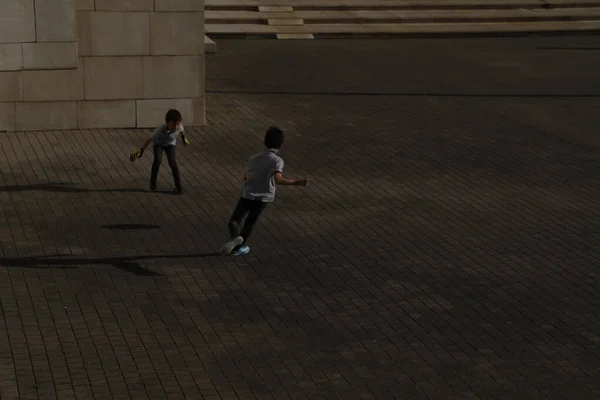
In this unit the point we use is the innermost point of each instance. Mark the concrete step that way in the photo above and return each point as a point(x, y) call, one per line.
point(405, 16)
point(441, 16)
point(328, 30)
point(209, 45)
point(289, 36)
point(309, 5)
point(318, 18)
point(249, 5)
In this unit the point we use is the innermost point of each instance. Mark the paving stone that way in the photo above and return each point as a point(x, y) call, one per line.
point(445, 248)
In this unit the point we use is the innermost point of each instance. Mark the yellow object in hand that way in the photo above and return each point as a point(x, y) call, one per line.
point(135, 154)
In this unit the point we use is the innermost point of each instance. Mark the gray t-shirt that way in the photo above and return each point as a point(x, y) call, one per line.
point(260, 183)
point(163, 137)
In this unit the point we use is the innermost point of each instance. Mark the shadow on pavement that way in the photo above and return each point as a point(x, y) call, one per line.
point(67, 188)
point(567, 48)
point(410, 94)
point(131, 226)
point(63, 261)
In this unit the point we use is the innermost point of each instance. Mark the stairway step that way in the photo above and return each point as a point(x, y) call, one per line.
point(209, 45)
point(303, 18)
point(397, 4)
point(412, 16)
point(287, 36)
point(427, 28)
point(448, 16)
point(285, 21)
point(275, 9)
point(457, 28)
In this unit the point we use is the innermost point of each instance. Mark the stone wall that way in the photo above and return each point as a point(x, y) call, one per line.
point(78, 64)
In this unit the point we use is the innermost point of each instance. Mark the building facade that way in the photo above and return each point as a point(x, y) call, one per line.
point(86, 64)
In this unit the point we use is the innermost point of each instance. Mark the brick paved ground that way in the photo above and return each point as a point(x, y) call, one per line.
point(447, 248)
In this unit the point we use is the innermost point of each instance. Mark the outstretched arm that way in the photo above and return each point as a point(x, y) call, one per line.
point(280, 180)
point(139, 152)
point(146, 143)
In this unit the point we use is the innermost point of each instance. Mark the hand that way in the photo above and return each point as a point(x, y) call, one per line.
point(185, 140)
point(302, 182)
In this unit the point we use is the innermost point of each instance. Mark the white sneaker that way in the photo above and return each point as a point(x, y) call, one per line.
point(242, 250)
point(230, 245)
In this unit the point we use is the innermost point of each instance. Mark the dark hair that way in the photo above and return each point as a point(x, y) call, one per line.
point(173, 116)
point(274, 138)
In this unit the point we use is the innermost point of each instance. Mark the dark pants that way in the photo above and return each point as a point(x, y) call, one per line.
point(249, 209)
point(171, 156)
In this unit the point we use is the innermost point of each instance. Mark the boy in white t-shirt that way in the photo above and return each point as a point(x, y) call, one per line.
point(264, 172)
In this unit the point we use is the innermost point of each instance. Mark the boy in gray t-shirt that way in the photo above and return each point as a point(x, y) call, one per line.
point(164, 139)
point(264, 172)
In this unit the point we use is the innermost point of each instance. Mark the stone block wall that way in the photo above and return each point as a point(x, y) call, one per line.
point(78, 64)
point(31, 38)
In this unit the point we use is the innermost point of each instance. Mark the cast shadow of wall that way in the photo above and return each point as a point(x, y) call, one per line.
point(64, 261)
point(59, 187)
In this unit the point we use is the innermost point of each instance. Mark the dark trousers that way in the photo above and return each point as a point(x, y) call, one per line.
point(171, 156)
point(249, 209)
